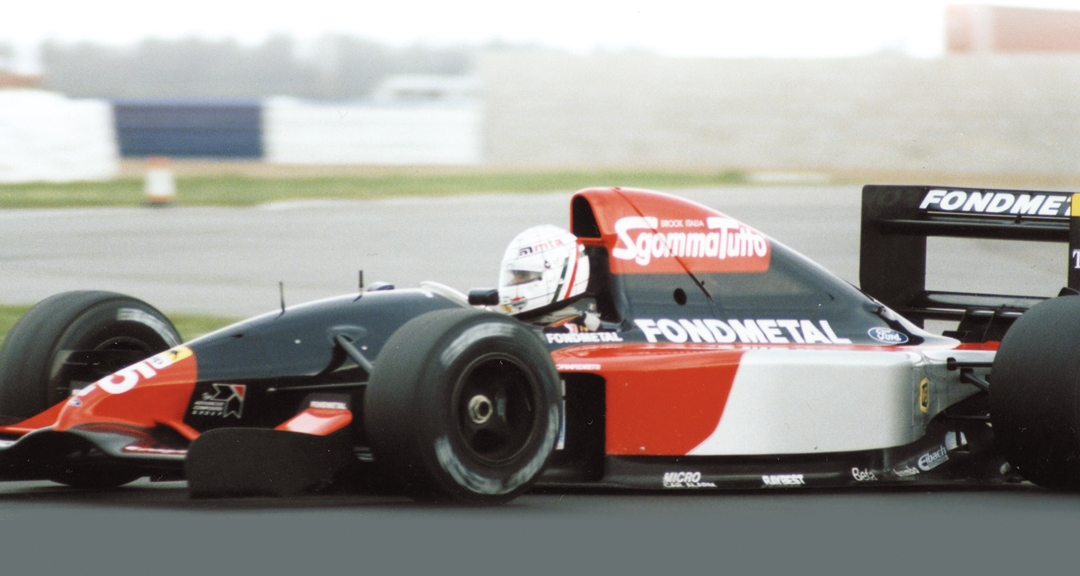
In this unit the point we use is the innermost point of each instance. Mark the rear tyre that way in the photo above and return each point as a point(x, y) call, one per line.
point(69, 341)
point(1035, 394)
point(463, 406)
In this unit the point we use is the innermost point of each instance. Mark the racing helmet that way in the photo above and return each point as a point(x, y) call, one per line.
point(542, 269)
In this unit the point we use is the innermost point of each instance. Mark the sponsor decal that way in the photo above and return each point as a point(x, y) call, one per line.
point(157, 451)
point(685, 480)
point(136, 315)
point(924, 395)
point(126, 379)
point(931, 460)
point(783, 480)
point(226, 400)
point(474, 334)
point(761, 331)
point(576, 367)
point(863, 475)
point(996, 203)
point(543, 246)
point(906, 471)
point(954, 440)
point(328, 405)
point(887, 335)
point(582, 337)
point(715, 243)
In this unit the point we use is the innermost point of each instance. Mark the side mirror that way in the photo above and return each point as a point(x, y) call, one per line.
point(484, 296)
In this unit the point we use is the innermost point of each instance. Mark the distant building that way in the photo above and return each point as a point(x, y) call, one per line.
point(983, 29)
point(13, 80)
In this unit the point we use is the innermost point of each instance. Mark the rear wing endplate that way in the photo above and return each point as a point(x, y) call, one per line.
point(896, 220)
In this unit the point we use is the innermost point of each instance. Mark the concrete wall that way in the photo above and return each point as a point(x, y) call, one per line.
point(964, 114)
point(308, 132)
point(49, 137)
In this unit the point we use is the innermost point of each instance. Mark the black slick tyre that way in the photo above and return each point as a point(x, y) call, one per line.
point(463, 406)
point(1035, 394)
point(68, 341)
point(68, 338)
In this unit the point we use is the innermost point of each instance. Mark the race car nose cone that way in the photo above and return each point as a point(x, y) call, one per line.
point(479, 409)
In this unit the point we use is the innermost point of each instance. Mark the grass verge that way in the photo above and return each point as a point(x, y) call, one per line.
point(241, 190)
point(189, 325)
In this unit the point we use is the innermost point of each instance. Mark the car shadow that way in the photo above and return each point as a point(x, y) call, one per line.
point(144, 494)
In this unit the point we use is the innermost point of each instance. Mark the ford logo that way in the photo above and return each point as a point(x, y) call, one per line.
point(888, 336)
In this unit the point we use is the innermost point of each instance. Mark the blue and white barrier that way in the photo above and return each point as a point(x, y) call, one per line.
point(48, 137)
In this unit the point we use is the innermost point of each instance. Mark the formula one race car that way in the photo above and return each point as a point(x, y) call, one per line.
point(662, 345)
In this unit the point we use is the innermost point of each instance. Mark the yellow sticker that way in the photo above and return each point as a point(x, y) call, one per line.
point(1075, 211)
point(924, 394)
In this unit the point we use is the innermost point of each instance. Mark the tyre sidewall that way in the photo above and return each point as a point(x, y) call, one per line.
point(446, 451)
point(31, 360)
point(409, 411)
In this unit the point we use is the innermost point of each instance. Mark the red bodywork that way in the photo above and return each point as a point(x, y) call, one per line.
point(661, 400)
point(156, 392)
point(650, 233)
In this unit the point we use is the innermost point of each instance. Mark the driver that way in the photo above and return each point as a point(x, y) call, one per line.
point(544, 273)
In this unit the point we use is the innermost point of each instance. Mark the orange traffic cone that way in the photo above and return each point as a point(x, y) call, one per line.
point(160, 184)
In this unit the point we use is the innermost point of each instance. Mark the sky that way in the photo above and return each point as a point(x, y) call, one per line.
point(682, 28)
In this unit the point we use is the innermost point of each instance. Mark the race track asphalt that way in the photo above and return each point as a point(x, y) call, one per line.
point(229, 261)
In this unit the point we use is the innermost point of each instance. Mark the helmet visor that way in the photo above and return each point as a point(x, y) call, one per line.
point(518, 277)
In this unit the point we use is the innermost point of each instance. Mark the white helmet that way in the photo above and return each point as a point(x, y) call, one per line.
point(543, 267)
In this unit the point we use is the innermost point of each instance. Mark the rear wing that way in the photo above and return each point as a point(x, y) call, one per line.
point(896, 220)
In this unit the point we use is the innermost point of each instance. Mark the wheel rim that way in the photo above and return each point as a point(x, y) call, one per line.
point(79, 368)
point(496, 408)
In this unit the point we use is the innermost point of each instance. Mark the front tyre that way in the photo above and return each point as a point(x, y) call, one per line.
point(66, 342)
point(463, 406)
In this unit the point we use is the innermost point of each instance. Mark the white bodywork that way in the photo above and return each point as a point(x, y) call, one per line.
point(817, 401)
